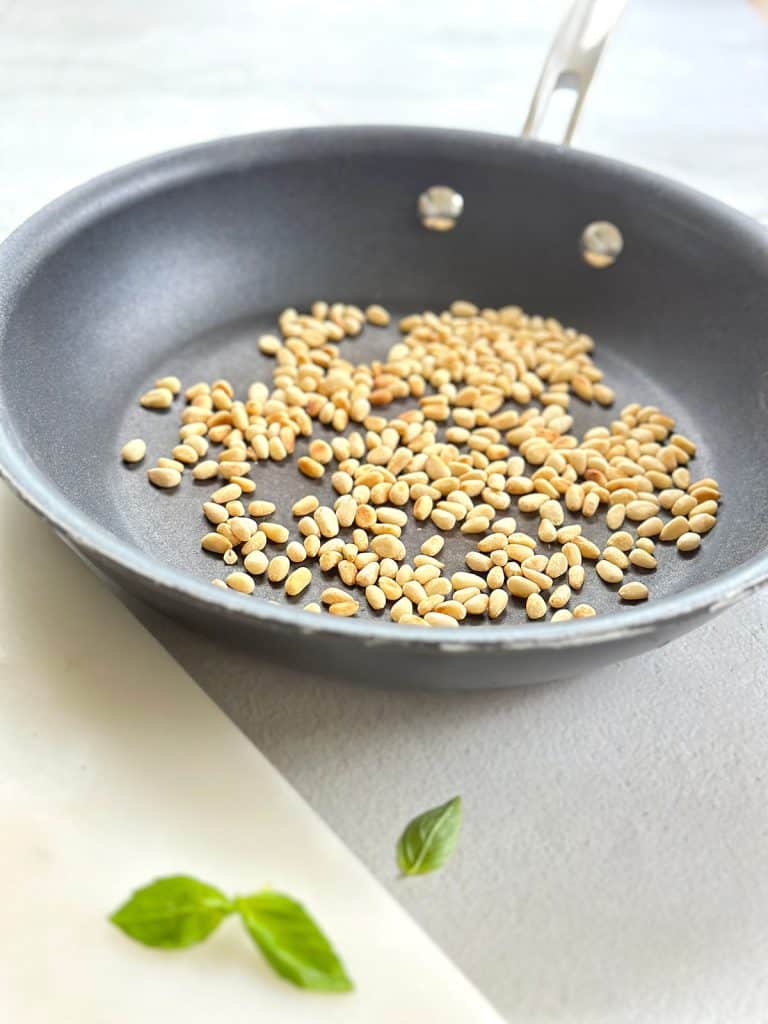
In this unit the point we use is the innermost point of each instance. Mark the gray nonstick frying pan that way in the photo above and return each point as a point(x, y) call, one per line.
point(177, 264)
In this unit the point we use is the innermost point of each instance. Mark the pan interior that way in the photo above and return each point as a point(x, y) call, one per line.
point(183, 278)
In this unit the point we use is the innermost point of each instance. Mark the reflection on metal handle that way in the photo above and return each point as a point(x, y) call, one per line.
point(572, 59)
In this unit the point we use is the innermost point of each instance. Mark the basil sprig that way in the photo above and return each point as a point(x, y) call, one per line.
point(179, 911)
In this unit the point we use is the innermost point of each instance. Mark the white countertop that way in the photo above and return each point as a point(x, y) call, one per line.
point(612, 868)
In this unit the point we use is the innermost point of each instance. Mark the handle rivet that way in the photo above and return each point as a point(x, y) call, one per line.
point(601, 244)
point(440, 208)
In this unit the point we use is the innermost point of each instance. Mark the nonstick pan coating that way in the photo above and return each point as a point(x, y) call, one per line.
point(176, 264)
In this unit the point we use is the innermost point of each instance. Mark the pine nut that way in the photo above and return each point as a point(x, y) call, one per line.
point(305, 506)
point(640, 510)
point(157, 398)
point(634, 591)
point(674, 528)
point(612, 554)
point(614, 517)
point(310, 467)
point(560, 596)
point(651, 527)
point(229, 492)
point(377, 315)
point(561, 615)
point(164, 478)
point(497, 603)
point(608, 572)
point(688, 542)
point(164, 463)
point(215, 542)
point(326, 520)
point(241, 582)
point(313, 606)
point(642, 559)
point(298, 581)
point(133, 451)
point(344, 608)
point(576, 577)
point(256, 562)
point(535, 607)
point(583, 611)
point(278, 568)
point(701, 523)
point(520, 586)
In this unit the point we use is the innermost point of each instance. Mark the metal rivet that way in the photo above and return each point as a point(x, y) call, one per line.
point(601, 244)
point(440, 207)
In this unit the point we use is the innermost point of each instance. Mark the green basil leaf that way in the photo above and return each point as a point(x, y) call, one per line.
point(291, 941)
point(430, 839)
point(172, 912)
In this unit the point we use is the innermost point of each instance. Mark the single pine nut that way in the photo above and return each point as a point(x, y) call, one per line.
point(206, 470)
point(646, 544)
point(326, 520)
point(688, 542)
point(269, 344)
point(256, 562)
point(612, 554)
point(215, 542)
point(165, 478)
point(278, 568)
point(560, 596)
point(640, 510)
point(520, 586)
point(642, 559)
point(375, 597)
point(298, 581)
point(345, 608)
point(701, 523)
point(310, 467)
point(650, 528)
point(305, 506)
point(173, 384)
point(156, 398)
point(259, 508)
point(561, 615)
point(576, 577)
point(634, 591)
point(241, 582)
point(557, 565)
point(377, 315)
point(614, 517)
point(229, 492)
point(674, 528)
point(275, 532)
point(477, 604)
point(497, 603)
point(133, 451)
point(313, 606)
point(535, 607)
point(583, 611)
point(164, 463)
point(608, 572)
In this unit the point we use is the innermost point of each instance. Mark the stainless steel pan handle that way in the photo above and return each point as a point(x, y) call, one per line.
point(572, 60)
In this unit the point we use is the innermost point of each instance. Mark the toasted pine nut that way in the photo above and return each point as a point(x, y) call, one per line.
point(256, 562)
point(377, 315)
point(535, 607)
point(241, 582)
point(157, 398)
point(278, 568)
point(345, 608)
point(298, 581)
point(165, 478)
point(633, 591)
point(608, 572)
point(688, 541)
point(133, 451)
point(583, 611)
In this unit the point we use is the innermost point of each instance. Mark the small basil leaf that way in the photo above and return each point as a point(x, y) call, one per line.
point(430, 839)
point(172, 912)
point(291, 942)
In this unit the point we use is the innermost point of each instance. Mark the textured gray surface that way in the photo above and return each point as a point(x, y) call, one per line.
point(612, 867)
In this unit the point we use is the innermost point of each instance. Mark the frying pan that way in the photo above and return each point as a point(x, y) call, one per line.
point(177, 264)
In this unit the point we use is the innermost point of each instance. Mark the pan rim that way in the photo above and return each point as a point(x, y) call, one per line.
point(35, 238)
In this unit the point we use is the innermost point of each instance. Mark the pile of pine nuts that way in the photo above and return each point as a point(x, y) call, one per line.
point(488, 428)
